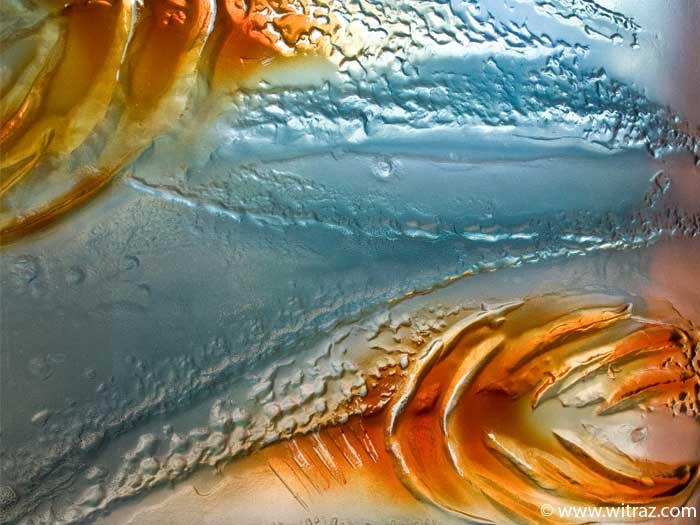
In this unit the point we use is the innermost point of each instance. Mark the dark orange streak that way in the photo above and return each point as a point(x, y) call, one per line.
point(19, 122)
point(237, 45)
point(44, 216)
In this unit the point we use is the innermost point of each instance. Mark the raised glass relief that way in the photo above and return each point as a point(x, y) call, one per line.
point(332, 262)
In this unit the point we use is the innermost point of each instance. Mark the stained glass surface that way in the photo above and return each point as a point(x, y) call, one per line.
point(343, 262)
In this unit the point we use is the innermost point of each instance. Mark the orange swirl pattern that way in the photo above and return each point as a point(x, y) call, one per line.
point(550, 402)
point(93, 82)
point(464, 431)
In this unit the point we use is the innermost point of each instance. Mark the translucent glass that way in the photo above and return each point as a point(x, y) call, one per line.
point(338, 262)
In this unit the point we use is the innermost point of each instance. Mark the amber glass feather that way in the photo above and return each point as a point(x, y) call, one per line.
point(95, 68)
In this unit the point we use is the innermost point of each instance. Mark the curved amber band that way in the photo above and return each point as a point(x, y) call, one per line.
point(124, 71)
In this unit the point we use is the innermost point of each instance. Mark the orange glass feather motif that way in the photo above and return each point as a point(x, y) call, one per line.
point(349, 262)
point(126, 70)
point(554, 402)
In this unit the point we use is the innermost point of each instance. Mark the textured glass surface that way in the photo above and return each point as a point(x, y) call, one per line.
point(335, 262)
